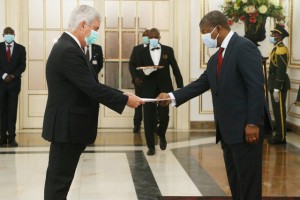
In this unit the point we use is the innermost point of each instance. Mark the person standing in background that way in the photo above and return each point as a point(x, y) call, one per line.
point(95, 56)
point(74, 94)
point(155, 82)
point(235, 78)
point(12, 65)
point(137, 78)
point(278, 82)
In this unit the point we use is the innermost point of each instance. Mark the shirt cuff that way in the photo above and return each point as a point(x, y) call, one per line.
point(173, 101)
point(4, 76)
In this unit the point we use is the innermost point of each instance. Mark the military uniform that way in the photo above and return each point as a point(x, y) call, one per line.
point(279, 80)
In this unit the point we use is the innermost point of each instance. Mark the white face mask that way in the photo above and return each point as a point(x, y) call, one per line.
point(208, 41)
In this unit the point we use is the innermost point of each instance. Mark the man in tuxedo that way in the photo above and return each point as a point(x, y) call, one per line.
point(71, 115)
point(235, 78)
point(157, 81)
point(12, 65)
point(137, 78)
point(279, 82)
point(95, 56)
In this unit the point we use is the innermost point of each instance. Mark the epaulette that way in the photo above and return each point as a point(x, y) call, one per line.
point(281, 49)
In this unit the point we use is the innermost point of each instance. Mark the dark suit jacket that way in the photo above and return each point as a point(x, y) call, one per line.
point(97, 58)
point(16, 66)
point(238, 95)
point(71, 114)
point(161, 78)
point(135, 61)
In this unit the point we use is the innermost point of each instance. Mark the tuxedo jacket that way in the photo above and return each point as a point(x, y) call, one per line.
point(97, 58)
point(135, 61)
point(16, 66)
point(74, 94)
point(238, 95)
point(160, 80)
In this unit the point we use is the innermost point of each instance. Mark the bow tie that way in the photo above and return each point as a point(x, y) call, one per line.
point(155, 48)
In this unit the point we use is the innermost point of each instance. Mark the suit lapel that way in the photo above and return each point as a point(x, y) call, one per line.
point(3, 51)
point(148, 55)
point(226, 57)
point(15, 51)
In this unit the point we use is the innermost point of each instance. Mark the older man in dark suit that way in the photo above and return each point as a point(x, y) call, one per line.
point(155, 82)
point(71, 115)
point(235, 77)
point(12, 65)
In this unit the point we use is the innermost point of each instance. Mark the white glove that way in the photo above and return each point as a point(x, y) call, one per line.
point(148, 71)
point(276, 95)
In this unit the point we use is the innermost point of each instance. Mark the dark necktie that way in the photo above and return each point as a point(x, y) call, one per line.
point(87, 53)
point(155, 48)
point(8, 53)
point(220, 59)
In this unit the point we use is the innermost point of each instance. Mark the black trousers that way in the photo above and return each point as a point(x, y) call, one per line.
point(243, 164)
point(8, 111)
point(138, 112)
point(63, 160)
point(279, 111)
point(151, 112)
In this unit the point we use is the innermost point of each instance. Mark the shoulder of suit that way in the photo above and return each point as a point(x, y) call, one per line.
point(281, 49)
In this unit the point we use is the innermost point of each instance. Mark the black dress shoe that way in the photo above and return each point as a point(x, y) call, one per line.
point(3, 143)
point(163, 142)
point(150, 152)
point(136, 129)
point(275, 140)
point(12, 143)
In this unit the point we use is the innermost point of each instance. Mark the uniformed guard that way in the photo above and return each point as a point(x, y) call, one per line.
point(279, 82)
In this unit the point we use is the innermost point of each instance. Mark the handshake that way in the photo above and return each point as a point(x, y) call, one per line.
point(163, 99)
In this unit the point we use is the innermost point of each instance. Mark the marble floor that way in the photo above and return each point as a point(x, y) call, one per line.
point(116, 167)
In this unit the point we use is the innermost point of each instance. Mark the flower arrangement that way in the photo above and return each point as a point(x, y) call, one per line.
point(254, 14)
point(254, 11)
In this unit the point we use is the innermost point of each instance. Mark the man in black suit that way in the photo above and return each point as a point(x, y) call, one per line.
point(137, 78)
point(155, 82)
point(235, 77)
point(12, 65)
point(95, 56)
point(71, 115)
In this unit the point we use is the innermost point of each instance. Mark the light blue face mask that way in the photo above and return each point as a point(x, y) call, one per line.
point(272, 40)
point(145, 40)
point(92, 38)
point(208, 41)
point(153, 42)
point(9, 38)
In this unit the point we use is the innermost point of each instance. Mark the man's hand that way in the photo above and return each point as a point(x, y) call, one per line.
point(163, 96)
point(252, 134)
point(276, 96)
point(133, 101)
point(8, 78)
point(138, 81)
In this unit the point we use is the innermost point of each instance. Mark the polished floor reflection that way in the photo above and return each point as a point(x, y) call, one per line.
point(116, 167)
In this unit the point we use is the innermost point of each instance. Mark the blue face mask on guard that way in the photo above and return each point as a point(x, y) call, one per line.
point(153, 42)
point(145, 40)
point(272, 40)
point(92, 38)
point(9, 38)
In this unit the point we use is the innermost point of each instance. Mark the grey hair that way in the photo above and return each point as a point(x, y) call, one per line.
point(82, 13)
